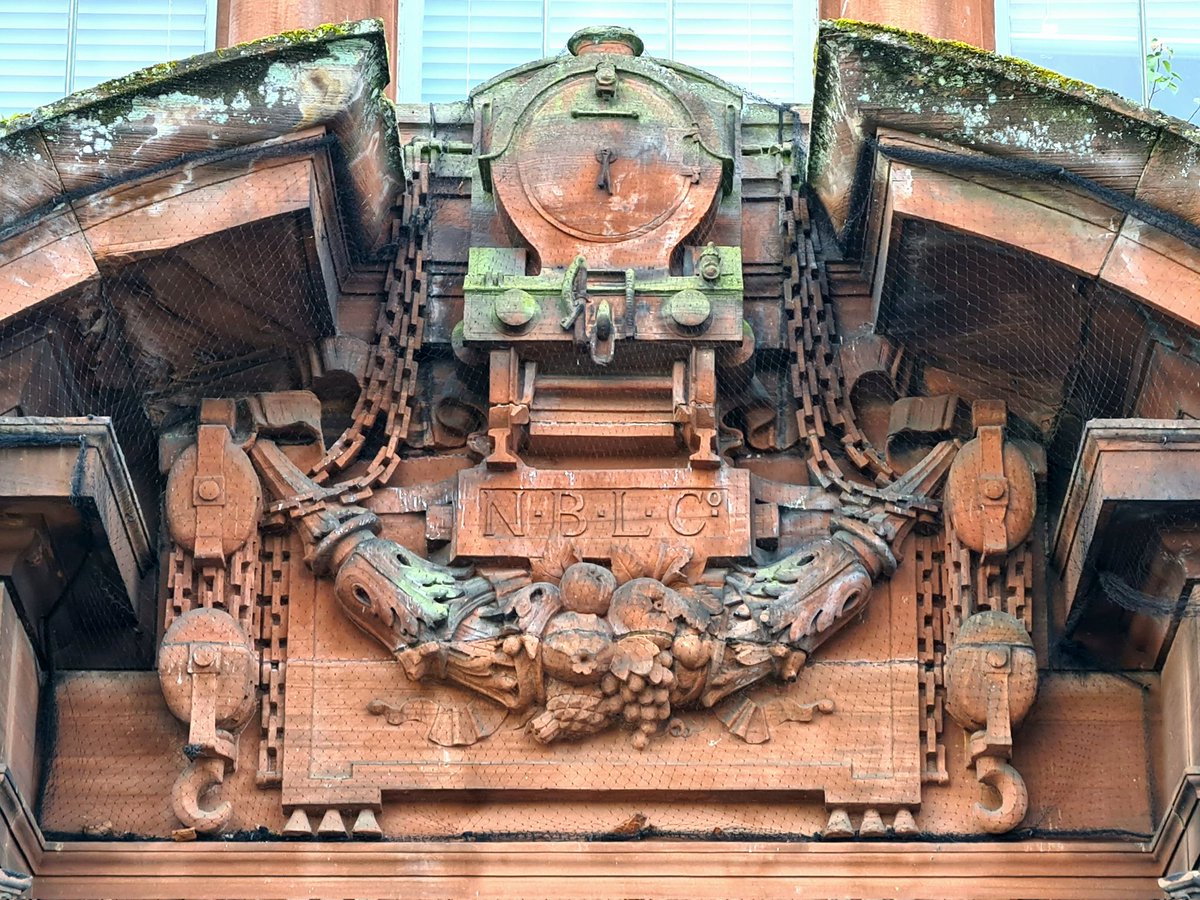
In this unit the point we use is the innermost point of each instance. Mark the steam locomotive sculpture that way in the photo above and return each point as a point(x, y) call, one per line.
point(655, 492)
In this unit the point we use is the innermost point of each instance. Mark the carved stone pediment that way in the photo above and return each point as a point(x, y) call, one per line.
point(651, 550)
point(612, 457)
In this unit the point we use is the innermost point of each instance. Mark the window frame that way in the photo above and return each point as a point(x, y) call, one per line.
point(72, 32)
point(410, 16)
point(1004, 41)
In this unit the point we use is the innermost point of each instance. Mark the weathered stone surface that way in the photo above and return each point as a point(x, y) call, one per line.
point(614, 498)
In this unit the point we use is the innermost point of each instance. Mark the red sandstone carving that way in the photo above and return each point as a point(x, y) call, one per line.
point(572, 596)
point(990, 496)
point(991, 682)
point(206, 666)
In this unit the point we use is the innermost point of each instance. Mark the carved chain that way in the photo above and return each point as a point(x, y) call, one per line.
point(390, 383)
point(816, 372)
point(389, 387)
point(270, 639)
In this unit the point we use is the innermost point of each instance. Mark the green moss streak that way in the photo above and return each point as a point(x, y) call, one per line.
point(991, 99)
point(957, 53)
point(207, 75)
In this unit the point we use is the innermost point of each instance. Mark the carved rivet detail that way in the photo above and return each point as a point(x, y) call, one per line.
point(606, 79)
point(515, 308)
point(208, 489)
point(204, 656)
point(689, 308)
point(710, 264)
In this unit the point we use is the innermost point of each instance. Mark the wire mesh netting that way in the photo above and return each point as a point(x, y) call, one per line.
point(192, 303)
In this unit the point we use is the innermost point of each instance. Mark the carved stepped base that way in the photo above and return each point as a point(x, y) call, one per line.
point(332, 825)
point(840, 826)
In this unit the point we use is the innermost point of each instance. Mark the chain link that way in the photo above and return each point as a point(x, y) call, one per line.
point(389, 387)
point(823, 413)
point(389, 390)
point(231, 586)
point(931, 651)
point(816, 373)
point(271, 642)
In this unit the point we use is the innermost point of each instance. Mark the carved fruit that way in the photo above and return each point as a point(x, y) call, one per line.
point(577, 648)
point(648, 606)
point(644, 675)
point(587, 588)
point(691, 651)
point(570, 714)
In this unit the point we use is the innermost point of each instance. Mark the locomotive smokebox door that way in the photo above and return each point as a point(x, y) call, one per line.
point(607, 171)
point(605, 154)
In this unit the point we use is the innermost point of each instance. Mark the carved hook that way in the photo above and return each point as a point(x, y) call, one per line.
point(193, 782)
point(1014, 797)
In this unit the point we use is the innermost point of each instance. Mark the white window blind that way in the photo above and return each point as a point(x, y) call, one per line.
point(755, 43)
point(49, 48)
point(449, 46)
point(1097, 41)
point(33, 53)
point(114, 37)
point(465, 42)
point(1105, 42)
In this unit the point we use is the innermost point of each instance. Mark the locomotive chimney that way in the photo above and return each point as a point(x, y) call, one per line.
point(605, 39)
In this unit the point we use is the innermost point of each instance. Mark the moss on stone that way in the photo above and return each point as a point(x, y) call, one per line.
point(978, 90)
point(958, 53)
point(822, 126)
point(10, 123)
point(207, 75)
point(974, 64)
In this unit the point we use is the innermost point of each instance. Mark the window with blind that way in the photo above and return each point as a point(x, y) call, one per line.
point(449, 46)
point(1105, 42)
point(49, 48)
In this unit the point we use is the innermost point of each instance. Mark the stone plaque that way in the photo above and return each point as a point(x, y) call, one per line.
point(523, 512)
point(358, 728)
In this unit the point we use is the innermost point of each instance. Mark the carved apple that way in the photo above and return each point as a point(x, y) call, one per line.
point(577, 648)
point(587, 588)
